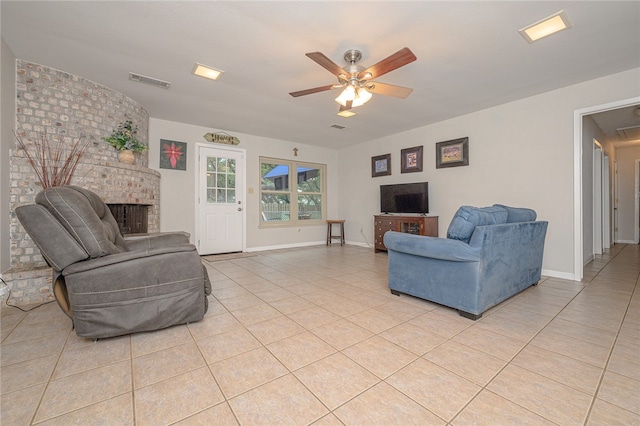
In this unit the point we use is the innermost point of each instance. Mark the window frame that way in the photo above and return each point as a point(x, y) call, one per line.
point(293, 193)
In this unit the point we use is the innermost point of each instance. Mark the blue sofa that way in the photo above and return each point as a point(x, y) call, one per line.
point(489, 255)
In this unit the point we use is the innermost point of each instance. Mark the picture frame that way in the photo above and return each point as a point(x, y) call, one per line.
point(453, 153)
point(381, 165)
point(411, 159)
point(173, 155)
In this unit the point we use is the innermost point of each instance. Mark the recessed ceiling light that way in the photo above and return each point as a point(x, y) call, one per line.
point(346, 113)
point(545, 27)
point(206, 72)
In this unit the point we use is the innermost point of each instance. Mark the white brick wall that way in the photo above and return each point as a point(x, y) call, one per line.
point(71, 107)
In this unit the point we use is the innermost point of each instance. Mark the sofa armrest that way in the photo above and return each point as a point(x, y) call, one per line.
point(432, 247)
point(156, 240)
point(513, 250)
point(130, 256)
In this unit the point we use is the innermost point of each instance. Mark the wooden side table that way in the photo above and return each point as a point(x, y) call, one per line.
point(330, 235)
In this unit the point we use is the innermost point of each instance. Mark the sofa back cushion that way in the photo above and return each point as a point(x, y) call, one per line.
point(86, 217)
point(466, 219)
point(518, 214)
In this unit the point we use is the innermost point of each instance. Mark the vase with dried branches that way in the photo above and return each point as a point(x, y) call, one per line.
point(53, 160)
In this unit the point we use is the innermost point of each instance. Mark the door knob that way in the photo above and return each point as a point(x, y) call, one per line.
point(239, 209)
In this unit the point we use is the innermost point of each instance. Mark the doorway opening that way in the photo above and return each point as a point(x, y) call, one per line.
point(579, 179)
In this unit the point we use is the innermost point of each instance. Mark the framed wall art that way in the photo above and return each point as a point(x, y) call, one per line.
point(173, 155)
point(381, 165)
point(411, 160)
point(452, 153)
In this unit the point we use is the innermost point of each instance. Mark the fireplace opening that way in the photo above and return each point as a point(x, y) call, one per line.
point(131, 218)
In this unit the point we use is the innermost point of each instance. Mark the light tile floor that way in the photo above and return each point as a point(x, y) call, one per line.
point(312, 336)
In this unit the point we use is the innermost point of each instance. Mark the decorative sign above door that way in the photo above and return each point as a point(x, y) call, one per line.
point(222, 137)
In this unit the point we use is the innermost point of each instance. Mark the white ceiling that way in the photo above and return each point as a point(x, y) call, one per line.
point(470, 56)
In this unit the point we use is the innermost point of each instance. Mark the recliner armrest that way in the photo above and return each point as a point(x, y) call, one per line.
point(126, 257)
point(432, 247)
point(157, 240)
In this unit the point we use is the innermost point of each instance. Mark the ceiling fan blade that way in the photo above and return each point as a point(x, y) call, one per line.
point(311, 91)
point(390, 90)
point(327, 63)
point(346, 107)
point(400, 58)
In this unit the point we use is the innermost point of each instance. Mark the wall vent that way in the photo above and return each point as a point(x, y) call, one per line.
point(629, 133)
point(149, 80)
point(339, 127)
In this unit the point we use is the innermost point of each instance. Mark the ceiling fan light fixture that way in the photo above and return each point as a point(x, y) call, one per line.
point(358, 96)
point(348, 94)
point(206, 71)
point(363, 96)
point(545, 27)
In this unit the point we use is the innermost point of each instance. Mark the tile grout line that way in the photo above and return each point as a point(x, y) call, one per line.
point(509, 362)
point(44, 392)
point(613, 345)
point(339, 351)
point(133, 388)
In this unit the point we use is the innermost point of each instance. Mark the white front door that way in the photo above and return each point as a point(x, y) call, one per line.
point(220, 200)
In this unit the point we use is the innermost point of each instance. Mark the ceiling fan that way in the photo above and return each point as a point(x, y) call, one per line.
point(356, 81)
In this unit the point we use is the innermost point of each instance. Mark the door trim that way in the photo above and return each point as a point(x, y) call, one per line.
point(577, 177)
point(242, 189)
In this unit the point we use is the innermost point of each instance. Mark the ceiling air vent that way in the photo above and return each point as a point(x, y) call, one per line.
point(149, 80)
point(629, 133)
point(339, 127)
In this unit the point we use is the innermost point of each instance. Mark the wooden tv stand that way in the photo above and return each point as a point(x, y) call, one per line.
point(419, 225)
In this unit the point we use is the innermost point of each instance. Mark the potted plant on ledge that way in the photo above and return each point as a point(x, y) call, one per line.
point(125, 141)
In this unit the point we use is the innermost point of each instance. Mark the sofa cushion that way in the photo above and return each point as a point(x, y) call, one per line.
point(518, 214)
point(466, 219)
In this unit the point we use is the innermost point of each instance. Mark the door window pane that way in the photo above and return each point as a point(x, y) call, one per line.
point(221, 180)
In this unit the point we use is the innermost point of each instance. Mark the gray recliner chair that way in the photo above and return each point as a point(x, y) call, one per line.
point(110, 285)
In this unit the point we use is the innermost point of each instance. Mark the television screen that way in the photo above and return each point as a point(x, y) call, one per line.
point(405, 198)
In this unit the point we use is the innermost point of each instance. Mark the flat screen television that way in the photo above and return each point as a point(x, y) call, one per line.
point(405, 198)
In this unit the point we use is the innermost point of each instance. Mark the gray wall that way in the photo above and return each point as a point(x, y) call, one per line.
point(521, 153)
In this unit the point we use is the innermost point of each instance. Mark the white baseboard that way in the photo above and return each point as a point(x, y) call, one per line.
point(359, 244)
point(308, 244)
point(589, 259)
point(626, 242)
point(558, 274)
point(286, 246)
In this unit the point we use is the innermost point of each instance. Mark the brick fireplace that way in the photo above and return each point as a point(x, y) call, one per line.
point(131, 218)
point(68, 106)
